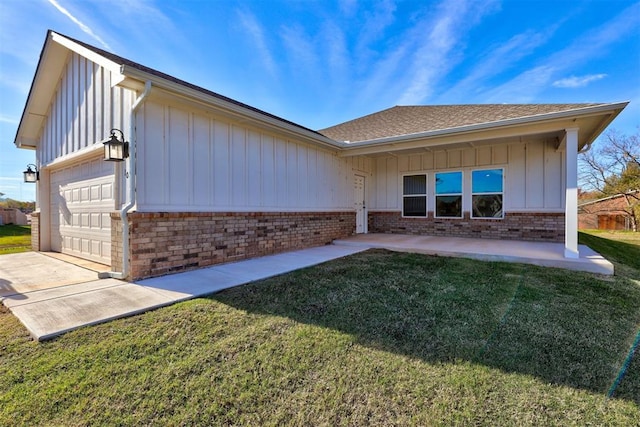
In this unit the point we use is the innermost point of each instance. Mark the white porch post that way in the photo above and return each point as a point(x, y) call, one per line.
point(44, 206)
point(571, 197)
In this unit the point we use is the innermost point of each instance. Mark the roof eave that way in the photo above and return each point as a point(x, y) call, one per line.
point(53, 58)
point(134, 77)
point(394, 142)
point(590, 202)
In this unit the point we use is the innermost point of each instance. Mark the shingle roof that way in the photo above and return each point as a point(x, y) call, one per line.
point(395, 121)
point(406, 120)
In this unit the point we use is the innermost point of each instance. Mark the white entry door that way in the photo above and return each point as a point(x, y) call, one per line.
point(82, 198)
point(358, 197)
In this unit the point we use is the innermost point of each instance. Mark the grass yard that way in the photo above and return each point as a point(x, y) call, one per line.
point(14, 239)
point(377, 338)
point(620, 246)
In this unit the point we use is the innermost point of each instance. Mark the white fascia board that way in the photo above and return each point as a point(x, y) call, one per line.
point(92, 56)
point(53, 58)
point(613, 109)
point(26, 143)
point(229, 107)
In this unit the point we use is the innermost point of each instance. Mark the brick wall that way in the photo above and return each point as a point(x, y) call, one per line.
point(116, 242)
point(35, 231)
point(609, 213)
point(547, 227)
point(162, 243)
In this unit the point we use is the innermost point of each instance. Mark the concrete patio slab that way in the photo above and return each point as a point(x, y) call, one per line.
point(47, 313)
point(535, 253)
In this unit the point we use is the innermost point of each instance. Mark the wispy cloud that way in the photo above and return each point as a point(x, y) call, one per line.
point(380, 84)
point(348, 7)
point(519, 89)
point(375, 22)
point(82, 26)
point(435, 52)
point(575, 81)
point(591, 45)
point(495, 61)
point(299, 46)
point(7, 119)
point(255, 31)
point(337, 54)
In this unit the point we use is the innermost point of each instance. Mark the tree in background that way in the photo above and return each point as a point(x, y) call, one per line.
point(26, 207)
point(612, 167)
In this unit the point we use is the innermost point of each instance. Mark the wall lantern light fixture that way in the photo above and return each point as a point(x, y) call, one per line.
point(116, 149)
point(31, 175)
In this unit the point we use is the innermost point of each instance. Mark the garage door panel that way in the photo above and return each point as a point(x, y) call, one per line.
point(82, 201)
point(107, 191)
point(95, 193)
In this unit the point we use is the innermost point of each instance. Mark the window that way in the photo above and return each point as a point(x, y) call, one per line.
point(486, 189)
point(449, 195)
point(414, 195)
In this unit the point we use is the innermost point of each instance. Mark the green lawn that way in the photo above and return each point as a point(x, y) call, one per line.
point(620, 246)
point(15, 238)
point(377, 338)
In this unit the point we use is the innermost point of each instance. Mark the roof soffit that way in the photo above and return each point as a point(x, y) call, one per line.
point(590, 121)
point(53, 58)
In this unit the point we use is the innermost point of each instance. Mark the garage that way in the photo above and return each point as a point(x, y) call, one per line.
point(82, 199)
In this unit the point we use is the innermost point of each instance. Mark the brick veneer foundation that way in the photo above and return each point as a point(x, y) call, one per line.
point(544, 227)
point(35, 231)
point(162, 243)
point(116, 242)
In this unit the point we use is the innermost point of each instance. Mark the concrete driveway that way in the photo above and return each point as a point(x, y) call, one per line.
point(32, 271)
point(51, 297)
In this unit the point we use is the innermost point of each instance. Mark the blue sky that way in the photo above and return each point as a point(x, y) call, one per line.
point(319, 63)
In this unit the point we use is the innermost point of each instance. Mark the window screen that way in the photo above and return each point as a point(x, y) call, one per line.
point(414, 195)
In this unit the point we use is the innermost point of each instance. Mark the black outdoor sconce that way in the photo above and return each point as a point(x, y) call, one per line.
point(31, 175)
point(116, 149)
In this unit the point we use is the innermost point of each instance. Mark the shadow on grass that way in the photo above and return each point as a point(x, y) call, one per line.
point(562, 327)
point(615, 251)
point(14, 230)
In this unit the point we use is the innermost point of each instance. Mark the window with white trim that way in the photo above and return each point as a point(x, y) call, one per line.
point(448, 195)
point(486, 193)
point(414, 195)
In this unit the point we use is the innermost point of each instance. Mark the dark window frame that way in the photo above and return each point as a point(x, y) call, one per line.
point(423, 196)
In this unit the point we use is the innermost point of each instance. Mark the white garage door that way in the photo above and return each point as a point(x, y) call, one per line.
point(82, 199)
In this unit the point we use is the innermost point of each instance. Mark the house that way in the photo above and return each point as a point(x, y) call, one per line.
point(13, 216)
point(209, 179)
point(608, 213)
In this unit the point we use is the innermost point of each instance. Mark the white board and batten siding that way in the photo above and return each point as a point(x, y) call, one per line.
point(80, 193)
point(534, 174)
point(85, 108)
point(193, 161)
